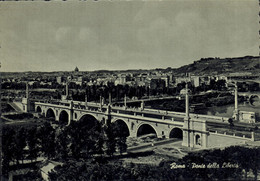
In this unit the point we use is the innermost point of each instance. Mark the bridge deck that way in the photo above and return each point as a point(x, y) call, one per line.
point(136, 112)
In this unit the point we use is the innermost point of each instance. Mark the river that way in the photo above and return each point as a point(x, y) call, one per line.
point(227, 110)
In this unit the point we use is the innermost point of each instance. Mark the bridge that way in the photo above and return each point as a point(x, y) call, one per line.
point(191, 128)
point(253, 98)
point(138, 121)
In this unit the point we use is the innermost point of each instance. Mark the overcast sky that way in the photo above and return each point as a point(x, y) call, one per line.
point(58, 36)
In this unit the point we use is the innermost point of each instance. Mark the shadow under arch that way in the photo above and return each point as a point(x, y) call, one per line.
point(87, 121)
point(146, 129)
point(254, 100)
point(64, 118)
point(38, 109)
point(50, 114)
point(176, 133)
point(120, 128)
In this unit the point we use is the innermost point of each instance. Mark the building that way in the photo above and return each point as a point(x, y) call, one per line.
point(199, 80)
point(59, 79)
point(123, 79)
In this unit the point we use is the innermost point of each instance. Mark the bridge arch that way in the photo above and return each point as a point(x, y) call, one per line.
point(38, 109)
point(254, 98)
point(50, 113)
point(88, 120)
point(144, 129)
point(176, 133)
point(64, 118)
point(83, 116)
point(120, 127)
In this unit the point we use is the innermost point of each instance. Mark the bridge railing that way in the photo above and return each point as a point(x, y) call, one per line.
point(210, 117)
point(147, 114)
point(233, 135)
point(51, 104)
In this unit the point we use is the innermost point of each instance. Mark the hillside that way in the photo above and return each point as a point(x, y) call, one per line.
point(211, 66)
point(204, 66)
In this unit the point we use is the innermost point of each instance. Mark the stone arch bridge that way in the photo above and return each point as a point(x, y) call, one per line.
point(253, 98)
point(165, 124)
point(136, 120)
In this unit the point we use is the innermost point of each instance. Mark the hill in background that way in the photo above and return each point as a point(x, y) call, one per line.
point(204, 66)
point(214, 66)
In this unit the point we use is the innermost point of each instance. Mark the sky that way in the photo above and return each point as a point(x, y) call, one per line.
point(114, 35)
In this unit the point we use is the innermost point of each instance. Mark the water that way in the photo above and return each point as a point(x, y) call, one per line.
point(228, 110)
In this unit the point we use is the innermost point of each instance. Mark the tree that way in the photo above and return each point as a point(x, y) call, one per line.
point(8, 146)
point(119, 132)
point(20, 143)
point(74, 136)
point(121, 144)
point(110, 141)
point(61, 143)
point(86, 139)
point(32, 142)
point(46, 135)
point(99, 145)
point(255, 164)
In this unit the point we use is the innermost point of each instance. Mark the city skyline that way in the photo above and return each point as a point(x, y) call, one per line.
point(124, 35)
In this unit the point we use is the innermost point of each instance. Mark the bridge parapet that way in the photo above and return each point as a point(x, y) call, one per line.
point(234, 135)
point(148, 119)
point(217, 139)
point(209, 117)
point(51, 105)
point(172, 114)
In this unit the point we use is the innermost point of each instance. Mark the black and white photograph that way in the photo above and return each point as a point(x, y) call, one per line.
point(129, 90)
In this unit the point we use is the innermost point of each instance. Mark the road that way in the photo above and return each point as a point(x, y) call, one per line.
point(148, 146)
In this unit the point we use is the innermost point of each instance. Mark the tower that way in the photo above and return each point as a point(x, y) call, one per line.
point(236, 111)
point(66, 96)
point(26, 100)
point(186, 126)
point(195, 134)
point(67, 90)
